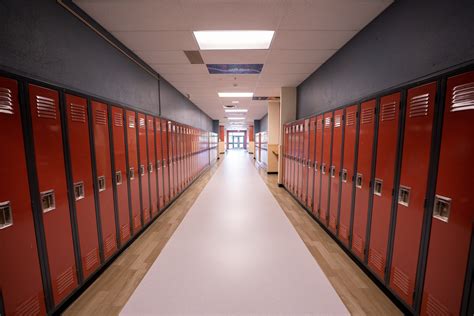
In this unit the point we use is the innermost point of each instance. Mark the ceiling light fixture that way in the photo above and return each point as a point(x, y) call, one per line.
point(236, 118)
point(235, 102)
point(236, 111)
point(235, 94)
point(233, 39)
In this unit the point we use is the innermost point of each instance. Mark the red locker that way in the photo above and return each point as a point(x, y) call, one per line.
point(172, 164)
point(453, 213)
point(121, 178)
point(305, 160)
point(317, 169)
point(347, 173)
point(78, 134)
point(363, 177)
point(46, 121)
point(166, 162)
point(301, 165)
point(298, 155)
point(335, 169)
point(326, 170)
point(412, 191)
point(133, 170)
point(383, 182)
point(293, 159)
point(152, 165)
point(159, 163)
point(285, 156)
point(312, 139)
point(17, 231)
point(179, 155)
point(143, 168)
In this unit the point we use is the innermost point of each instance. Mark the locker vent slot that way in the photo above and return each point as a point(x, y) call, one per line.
point(142, 170)
point(78, 113)
point(30, 306)
point(5, 214)
point(337, 121)
point(359, 180)
point(327, 122)
point(343, 232)
point(344, 175)
point(357, 243)
point(79, 190)
point(351, 118)
point(118, 177)
point(378, 187)
point(367, 116)
point(91, 259)
point(388, 111)
point(463, 97)
point(136, 221)
point(319, 124)
point(131, 173)
point(48, 201)
point(418, 105)
point(404, 196)
point(118, 119)
point(131, 122)
point(435, 307)
point(101, 183)
point(401, 281)
point(376, 260)
point(332, 171)
point(6, 101)
point(45, 107)
point(65, 280)
point(442, 206)
point(150, 168)
point(101, 117)
point(109, 243)
point(141, 122)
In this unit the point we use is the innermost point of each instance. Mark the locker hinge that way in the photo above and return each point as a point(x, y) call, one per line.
point(357, 114)
point(375, 110)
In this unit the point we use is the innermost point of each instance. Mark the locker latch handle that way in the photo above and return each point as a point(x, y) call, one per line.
point(359, 179)
point(48, 201)
point(344, 175)
point(332, 171)
point(131, 173)
point(78, 190)
point(404, 195)
point(378, 187)
point(442, 208)
point(6, 219)
point(150, 167)
point(118, 177)
point(315, 166)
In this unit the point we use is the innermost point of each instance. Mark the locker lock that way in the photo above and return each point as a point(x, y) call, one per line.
point(344, 175)
point(118, 177)
point(404, 196)
point(442, 207)
point(78, 190)
point(316, 166)
point(378, 187)
point(48, 201)
point(5, 215)
point(332, 171)
point(101, 183)
point(323, 168)
point(150, 168)
point(359, 180)
point(131, 173)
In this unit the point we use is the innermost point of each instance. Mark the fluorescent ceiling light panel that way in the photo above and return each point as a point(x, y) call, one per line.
point(235, 102)
point(235, 94)
point(208, 40)
point(236, 118)
point(236, 111)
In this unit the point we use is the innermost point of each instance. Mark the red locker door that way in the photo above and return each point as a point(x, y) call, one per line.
point(121, 179)
point(19, 263)
point(363, 177)
point(335, 169)
point(166, 162)
point(347, 173)
point(78, 130)
point(293, 159)
point(48, 144)
point(326, 170)
point(285, 156)
point(312, 139)
point(159, 163)
point(412, 191)
point(133, 170)
point(143, 168)
point(152, 163)
point(172, 163)
point(317, 169)
point(298, 160)
point(104, 177)
point(383, 182)
point(305, 137)
point(453, 213)
point(179, 147)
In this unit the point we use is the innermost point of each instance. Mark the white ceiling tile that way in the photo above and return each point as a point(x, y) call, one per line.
point(311, 39)
point(234, 56)
point(157, 40)
point(288, 68)
point(163, 56)
point(292, 56)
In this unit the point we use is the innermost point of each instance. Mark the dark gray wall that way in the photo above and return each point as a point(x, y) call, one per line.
point(41, 40)
point(215, 126)
point(256, 126)
point(264, 123)
point(409, 40)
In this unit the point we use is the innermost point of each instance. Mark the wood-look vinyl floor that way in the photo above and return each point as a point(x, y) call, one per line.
point(110, 292)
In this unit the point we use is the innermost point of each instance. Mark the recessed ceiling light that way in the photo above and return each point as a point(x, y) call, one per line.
point(235, 102)
point(236, 111)
point(233, 39)
point(235, 94)
point(236, 118)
